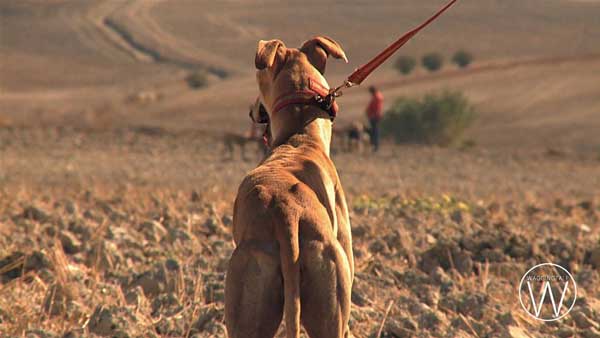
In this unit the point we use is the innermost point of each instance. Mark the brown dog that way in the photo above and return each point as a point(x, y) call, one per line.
point(290, 222)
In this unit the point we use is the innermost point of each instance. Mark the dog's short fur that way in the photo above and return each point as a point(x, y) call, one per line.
point(294, 251)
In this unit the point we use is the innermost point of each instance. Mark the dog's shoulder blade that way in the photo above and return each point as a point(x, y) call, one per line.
point(251, 208)
point(255, 195)
point(262, 188)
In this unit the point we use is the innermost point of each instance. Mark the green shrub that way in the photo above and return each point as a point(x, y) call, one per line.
point(405, 64)
point(462, 58)
point(435, 119)
point(197, 79)
point(468, 144)
point(432, 61)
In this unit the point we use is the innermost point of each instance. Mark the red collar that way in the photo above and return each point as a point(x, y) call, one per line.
point(316, 94)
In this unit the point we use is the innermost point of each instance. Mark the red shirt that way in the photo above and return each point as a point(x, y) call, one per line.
point(375, 107)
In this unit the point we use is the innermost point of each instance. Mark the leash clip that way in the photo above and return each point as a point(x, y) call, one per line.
point(337, 91)
point(326, 103)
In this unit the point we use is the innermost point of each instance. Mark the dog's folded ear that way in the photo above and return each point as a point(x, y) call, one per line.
point(319, 48)
point(268, 53)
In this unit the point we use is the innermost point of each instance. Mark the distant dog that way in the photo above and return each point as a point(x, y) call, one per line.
point(358, 137)
point(241, 141)
point(293, 257)
point(351, 138)
point(253, 137)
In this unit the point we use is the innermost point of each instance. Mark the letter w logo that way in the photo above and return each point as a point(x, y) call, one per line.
point(537, 308)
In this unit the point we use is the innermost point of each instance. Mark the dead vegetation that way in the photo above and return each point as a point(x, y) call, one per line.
point(131, 264)
point(135, 248)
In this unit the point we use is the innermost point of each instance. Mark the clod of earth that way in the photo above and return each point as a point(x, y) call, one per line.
point(18, 263)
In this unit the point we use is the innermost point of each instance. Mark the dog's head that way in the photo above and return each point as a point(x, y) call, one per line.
point(281, 70)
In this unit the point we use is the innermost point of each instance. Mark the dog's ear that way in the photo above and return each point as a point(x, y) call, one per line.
point(269, 53)
point(319, 48)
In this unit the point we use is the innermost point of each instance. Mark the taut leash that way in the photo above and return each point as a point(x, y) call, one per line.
point(361, 73)
point(318, 95)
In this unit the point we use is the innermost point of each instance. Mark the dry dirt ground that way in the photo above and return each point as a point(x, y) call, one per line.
point(127, 233)
point(116, 190)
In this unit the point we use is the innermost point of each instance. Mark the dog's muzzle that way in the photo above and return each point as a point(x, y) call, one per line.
point(263, 116)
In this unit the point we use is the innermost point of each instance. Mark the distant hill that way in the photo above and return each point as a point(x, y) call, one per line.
point(61, 60)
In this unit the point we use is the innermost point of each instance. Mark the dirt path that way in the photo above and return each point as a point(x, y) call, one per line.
point(129, 29)
point(97, 33)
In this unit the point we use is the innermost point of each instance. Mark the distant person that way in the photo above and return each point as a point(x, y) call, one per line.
point(375, 113)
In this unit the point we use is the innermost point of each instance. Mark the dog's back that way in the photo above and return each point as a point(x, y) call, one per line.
point(290, 218)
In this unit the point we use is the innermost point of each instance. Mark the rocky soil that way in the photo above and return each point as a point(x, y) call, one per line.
point(144, 266)
point(117, 256)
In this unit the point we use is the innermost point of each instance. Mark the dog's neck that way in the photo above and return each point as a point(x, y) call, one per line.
point(308, 122)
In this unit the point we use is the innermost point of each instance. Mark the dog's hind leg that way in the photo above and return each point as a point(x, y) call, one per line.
point(254, 291)
point(325, 290)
